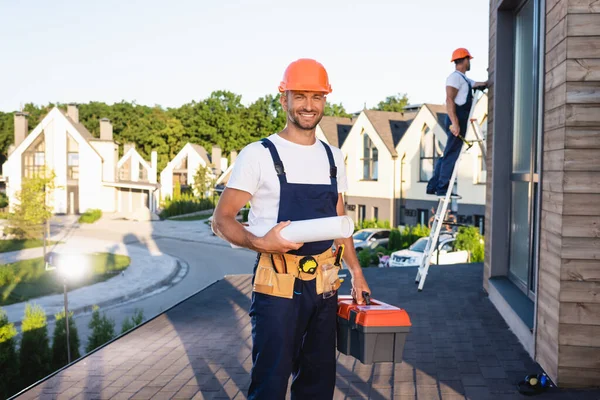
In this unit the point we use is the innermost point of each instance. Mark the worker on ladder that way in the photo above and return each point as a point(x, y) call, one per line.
point(459, 99)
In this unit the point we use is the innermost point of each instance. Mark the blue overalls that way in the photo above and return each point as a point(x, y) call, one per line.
point(296, 336)
point(444, 167)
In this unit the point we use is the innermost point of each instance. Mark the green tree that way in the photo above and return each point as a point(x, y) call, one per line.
point(131, 322)
point(177, 190)
point(336, 110)
point(469, 238)
point(395, 103)
point(9, 359)
point(59, 341)
point(204, 181)
point(34, 349)
point(103, 330)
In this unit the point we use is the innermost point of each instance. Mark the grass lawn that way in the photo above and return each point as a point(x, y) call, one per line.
point(21, 244)
point(28, 279)
point(192, 218)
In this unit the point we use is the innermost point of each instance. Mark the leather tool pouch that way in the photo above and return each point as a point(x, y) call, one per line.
point(268, 281)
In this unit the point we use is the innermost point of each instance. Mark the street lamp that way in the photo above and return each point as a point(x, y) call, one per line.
point(70, 266)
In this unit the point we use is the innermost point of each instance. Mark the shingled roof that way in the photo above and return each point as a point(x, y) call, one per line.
point(439, 111)
point(390, 126)
point(336, 129)
point(201, 152)
point(79, 126)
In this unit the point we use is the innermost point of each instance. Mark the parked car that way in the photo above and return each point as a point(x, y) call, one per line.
point(371, 238)
point(446, 253)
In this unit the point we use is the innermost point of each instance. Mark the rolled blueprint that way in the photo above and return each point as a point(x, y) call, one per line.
point(310, 230)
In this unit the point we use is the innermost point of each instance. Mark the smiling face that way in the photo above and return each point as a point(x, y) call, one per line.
point(304, 109)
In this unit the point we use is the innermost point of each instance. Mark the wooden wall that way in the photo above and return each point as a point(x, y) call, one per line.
point(568, 304)
point(571, 193)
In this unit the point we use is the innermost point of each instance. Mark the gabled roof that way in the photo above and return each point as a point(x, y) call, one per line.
point(201, 152)
point(390, 126)
point(133, 153)
point(439, 111)
point(78, 126)
point(336, 129)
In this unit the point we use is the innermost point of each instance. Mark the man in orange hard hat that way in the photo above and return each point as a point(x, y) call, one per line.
point(291, 176)
point(459, 99)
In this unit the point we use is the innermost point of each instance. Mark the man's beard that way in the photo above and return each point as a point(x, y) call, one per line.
point(294, 118)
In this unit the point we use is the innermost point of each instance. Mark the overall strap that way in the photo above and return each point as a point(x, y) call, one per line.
point(466, 80)
point(332, 167)
point(276, 160)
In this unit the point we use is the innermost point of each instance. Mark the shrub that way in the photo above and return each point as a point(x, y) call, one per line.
point(370, 224)
point(185, 204)
point(59, 341)
point(90, 216)
point(395, 240)
point(469, 238)
point(411, 234)
point(133, 321)
point(35, 349)
point(103, 330)
point(9, 360)
point(177, 190)
point(364, 258)
point(3, 200)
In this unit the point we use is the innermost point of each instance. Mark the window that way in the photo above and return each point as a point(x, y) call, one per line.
point(376, 213)
point(142, 173)
point(431, 150)
point(361, 212)
point(423, 217)
point(72, 165)
point(480, 223)
point(34, 158)
point(480, 167)
point(370, 157)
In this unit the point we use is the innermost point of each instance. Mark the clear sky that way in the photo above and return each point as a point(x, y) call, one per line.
point(172, 52)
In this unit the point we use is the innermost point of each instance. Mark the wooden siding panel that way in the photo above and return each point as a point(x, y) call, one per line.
point(580, 270)
point(580, 292)
point(579, 357)
point(584, 115)
point(556, 56)
point(581, 248)
point(552, 202)
point(556, 97)
point(557, 76)
point(579, 335)
point(553, 181)
point(582, 92)
point(554, 139)
point(554, 160)
point(578, 377)
point(584, 227)
point(581, 182)
point(550, 242)
point(582, 69)
point(583, 25)
point(582, 138)
point(583, 47)
point(551, 222)
point(583, 6)
point(555, 119)
point(581, 204)
point(555, 15)
point(581, 160)
point(580, 313)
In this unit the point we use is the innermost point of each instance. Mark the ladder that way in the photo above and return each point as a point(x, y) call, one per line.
point(442, 208)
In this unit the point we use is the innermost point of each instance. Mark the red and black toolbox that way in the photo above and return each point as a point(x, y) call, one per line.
point(371, 333)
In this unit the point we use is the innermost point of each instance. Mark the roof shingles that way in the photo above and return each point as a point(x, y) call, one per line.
point(390, 126)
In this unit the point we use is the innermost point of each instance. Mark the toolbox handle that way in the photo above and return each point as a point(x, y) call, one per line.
point(367, 298)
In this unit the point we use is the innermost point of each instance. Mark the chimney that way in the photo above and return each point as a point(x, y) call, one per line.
point(21, 127)
point(216, 159)
point(73, 112)
point(232, 157)
point(106, 129)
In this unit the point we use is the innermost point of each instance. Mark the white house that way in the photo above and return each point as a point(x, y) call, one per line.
point(85, 167)
point(391, 156)
point(372, 164)
point(183, 167)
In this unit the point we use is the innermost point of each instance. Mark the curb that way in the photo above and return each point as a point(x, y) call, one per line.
point(123, 298)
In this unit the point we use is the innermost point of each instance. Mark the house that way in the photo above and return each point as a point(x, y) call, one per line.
point(542, 251)
point(394, 155)
point(86, 167)
point(184, 165)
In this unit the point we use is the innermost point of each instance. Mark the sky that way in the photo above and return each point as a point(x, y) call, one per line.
point(169, 53)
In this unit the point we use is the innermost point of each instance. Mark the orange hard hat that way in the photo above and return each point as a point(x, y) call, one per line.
point(305, 74)
point(460, 53)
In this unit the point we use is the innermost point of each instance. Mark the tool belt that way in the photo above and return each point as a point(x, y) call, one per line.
point(276, 273)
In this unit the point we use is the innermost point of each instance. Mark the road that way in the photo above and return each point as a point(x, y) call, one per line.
point(206, 264)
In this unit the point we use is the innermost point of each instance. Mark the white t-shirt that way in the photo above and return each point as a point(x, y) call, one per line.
point(457, 81)
point(254, 172)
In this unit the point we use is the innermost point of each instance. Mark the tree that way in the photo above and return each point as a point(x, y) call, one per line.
point(177, 190)
point(59, 341)
point(103, 330)
point(336, 110)
point(9, 360)
point(469, 238)
point(133, 321)
point(395, 103)
point(204, 180)
point(35, 349)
